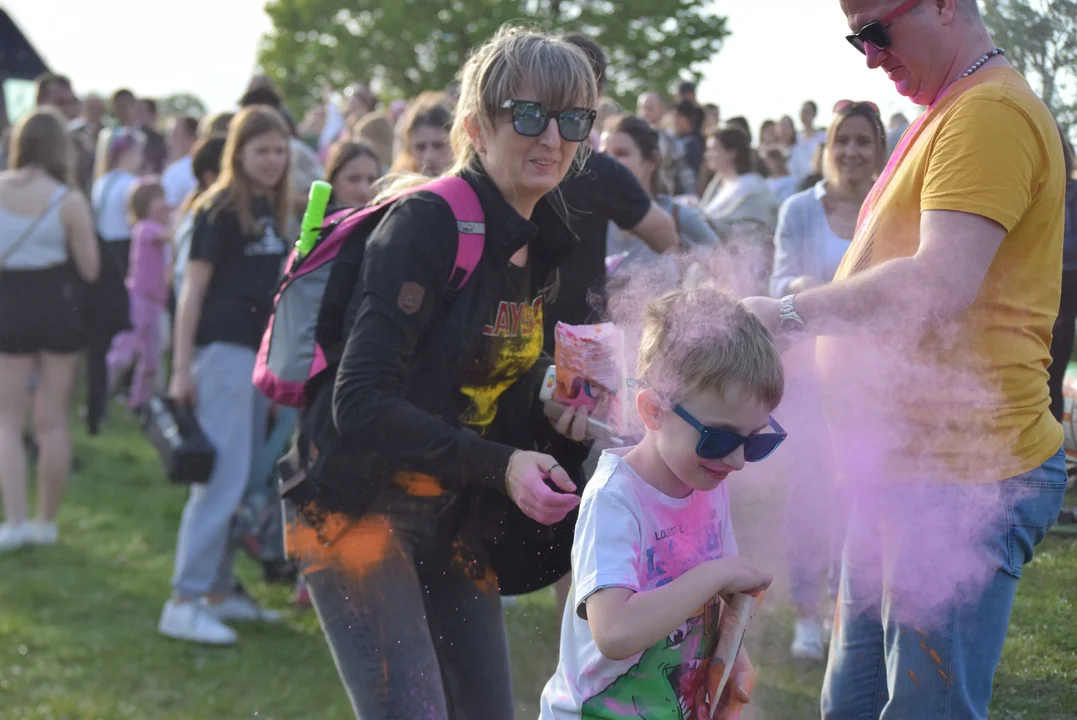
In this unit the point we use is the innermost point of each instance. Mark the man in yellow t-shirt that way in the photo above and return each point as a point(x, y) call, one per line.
point(934, 346)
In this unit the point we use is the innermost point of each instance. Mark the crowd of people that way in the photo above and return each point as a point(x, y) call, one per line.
point(425, 480)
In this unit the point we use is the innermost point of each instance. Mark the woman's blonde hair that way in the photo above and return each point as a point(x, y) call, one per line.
point(40, 140)
point(375, 130)
point(514, 61)
point(233, 187)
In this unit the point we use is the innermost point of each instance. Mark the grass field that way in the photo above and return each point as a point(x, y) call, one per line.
point(78, 625)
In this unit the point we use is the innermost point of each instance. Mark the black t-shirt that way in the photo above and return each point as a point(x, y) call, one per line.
point(246, 268)
point(511, 344)
point(604, 190)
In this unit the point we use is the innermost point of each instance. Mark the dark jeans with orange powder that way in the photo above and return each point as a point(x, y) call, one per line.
point(411, 612)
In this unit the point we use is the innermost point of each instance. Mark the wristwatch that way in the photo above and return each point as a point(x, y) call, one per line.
point(789, 320)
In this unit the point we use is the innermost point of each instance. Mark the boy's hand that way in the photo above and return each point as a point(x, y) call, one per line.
point(526, 484)
point(734, 574)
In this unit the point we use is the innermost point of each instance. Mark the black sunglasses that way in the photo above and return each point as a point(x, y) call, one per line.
point(716, 443)
point(874, 33)
point(530, 119)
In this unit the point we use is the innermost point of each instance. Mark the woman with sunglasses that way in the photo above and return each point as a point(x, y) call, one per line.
point(424, 440)
point(815, 228)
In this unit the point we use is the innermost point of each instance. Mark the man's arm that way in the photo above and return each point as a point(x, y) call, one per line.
point(657, 230)
point(940, 281)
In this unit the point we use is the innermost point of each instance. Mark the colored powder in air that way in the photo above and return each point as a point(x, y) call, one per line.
point(888, 432)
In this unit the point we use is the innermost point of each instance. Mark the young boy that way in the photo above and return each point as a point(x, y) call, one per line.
point(654, 544)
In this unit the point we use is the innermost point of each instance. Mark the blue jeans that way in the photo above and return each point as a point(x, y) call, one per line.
point(887, 663)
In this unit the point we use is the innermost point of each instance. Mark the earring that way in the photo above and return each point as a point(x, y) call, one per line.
point(482, 150)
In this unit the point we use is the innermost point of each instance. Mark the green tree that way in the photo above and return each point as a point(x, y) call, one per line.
point(405, 46)
point(180, 104)
point(1040, 37)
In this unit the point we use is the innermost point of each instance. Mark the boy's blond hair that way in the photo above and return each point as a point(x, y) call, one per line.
point(703, 340)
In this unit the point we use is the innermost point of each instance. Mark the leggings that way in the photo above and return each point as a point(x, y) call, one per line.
point(413, 621)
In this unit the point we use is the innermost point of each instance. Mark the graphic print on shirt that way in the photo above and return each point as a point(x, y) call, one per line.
point(669, 682)
point(511, 343)
point(270, 243)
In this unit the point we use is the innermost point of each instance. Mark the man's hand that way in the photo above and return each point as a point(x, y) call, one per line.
point(768, 310)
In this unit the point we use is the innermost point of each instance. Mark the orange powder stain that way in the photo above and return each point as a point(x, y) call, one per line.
point(914, 678)
point(944, 676)
point(935, 656)
point(355, 546)
point(418, 485)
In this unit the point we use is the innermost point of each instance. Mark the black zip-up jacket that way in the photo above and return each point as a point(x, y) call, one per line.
point(395, 406)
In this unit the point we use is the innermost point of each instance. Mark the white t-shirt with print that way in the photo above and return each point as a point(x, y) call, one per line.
point(631, 535)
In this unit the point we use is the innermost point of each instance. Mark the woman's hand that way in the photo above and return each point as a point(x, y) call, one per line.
point(571, 422)
point(738, 690)
point(182, 388)
point(526, 483)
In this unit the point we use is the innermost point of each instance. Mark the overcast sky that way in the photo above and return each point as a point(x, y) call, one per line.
point(781, 51)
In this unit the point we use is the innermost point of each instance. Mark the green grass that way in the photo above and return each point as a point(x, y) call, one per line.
point(78, 624)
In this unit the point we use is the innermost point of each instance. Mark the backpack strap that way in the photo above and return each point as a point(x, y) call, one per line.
point(470, 223)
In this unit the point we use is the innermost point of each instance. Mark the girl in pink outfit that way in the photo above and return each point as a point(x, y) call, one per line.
point(147, 283)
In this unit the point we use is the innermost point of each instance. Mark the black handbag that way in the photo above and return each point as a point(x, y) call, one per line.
point(186, 453)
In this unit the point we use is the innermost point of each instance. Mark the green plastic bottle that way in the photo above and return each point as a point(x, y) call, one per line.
point(313, 217)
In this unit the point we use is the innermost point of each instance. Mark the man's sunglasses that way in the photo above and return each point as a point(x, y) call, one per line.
point(874, 33)
point(530, 119)
point(716, 443)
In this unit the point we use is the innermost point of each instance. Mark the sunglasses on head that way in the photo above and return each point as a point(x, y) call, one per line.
point(716, 443)
point(874, 33)
point(530, 119)
point(841, 105)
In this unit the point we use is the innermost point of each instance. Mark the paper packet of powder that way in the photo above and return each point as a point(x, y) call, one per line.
point(737, 614)
point(591, 363)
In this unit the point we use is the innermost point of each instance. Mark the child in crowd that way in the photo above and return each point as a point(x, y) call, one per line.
point(148, 285)
point(654, 546)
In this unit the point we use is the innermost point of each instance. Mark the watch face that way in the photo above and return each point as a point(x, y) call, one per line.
point(790, 325)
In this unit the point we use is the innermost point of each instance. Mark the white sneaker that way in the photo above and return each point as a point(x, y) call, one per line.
point(240, 607)
point(15, 535)
point(43, 533)
point(808, 641)
point(190, 621)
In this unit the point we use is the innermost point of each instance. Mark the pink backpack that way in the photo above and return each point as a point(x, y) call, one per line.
point(290, 354)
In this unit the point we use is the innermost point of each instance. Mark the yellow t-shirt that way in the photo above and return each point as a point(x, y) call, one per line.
point(966, 399)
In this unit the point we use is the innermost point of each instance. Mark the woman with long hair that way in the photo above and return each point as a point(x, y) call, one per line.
point(424, 136)
point(635, 143)
point(47, 243)
point(234, 263)
point(352, 169)
point(738, 195)
point(116, 176)
point(419, 452)
point(815, 228)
